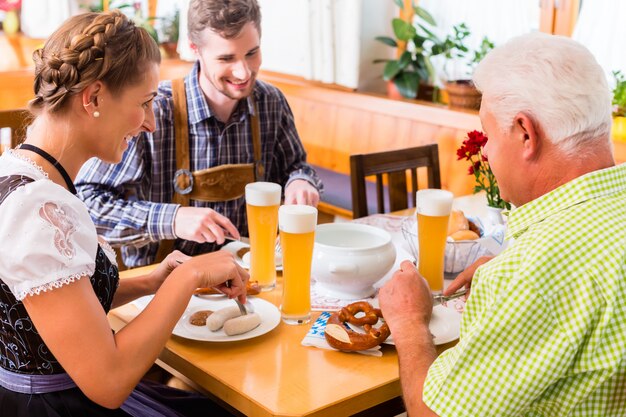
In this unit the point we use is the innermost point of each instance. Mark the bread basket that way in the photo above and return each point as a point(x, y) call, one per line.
point(458, 254)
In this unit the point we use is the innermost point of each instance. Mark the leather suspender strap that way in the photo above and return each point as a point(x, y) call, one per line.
point(255, 125)
point(181, 134)
point(209, 184)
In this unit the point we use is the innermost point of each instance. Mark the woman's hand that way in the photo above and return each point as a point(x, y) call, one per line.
point(215, 269)
point(167, 265)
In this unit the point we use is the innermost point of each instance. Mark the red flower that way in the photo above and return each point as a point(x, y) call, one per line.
point(8, 5)
point(472, 150)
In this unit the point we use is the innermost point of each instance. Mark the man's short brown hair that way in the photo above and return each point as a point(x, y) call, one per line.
point(225, 17)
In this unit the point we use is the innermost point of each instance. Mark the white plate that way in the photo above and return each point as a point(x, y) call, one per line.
point(234, 247)
point(270, 317)
point(445, 325)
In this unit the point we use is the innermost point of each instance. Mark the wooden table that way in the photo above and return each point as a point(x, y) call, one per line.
point(274, 375)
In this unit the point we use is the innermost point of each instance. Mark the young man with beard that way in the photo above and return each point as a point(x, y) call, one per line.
point(160, 190)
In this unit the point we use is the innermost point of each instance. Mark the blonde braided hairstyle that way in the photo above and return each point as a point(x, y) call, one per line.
point(87, 48)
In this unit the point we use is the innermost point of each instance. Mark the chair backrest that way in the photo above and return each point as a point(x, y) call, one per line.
point(17, 120)
point(395, 165)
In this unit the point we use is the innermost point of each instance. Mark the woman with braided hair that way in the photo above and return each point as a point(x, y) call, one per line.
point(96, 77)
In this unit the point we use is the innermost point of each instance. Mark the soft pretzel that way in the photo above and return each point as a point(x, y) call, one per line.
point(340, 337)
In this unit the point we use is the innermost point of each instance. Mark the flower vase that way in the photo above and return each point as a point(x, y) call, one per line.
point(494, 215)
point(11, 23)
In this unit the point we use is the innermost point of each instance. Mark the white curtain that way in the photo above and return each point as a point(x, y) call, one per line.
point(184, 51)
point(499, 20)
point(334, 41)
point(39, 18)
point(601, 27)
point(315, 39)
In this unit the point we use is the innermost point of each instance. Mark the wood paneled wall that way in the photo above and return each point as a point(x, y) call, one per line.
point(334, 122)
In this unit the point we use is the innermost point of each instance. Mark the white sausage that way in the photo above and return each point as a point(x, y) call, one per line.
point(216, 320)
point(242, 324)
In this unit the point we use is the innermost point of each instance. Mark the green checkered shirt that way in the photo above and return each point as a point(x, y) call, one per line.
point(544, 330)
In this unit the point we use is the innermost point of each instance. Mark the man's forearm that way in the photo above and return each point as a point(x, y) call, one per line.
point(416, 353)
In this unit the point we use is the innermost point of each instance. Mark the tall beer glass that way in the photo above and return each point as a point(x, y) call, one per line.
point(297, 235)
point(262, 201)
point(433, 211)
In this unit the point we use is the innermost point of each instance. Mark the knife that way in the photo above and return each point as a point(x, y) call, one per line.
point(440, 298)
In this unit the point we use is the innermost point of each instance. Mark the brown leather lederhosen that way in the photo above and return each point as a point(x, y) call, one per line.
point(220, 183)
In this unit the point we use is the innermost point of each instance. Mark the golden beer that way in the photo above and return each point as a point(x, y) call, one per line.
point(262, 201)
point(297, 236)
point(433, 213)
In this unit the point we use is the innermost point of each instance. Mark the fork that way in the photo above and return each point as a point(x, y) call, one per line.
point(228, 283)
point(242, 308)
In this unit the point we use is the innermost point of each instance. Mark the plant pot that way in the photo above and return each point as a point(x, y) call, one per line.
point(168, 50)
point(618, 132)
point(463, 94)
point(425, 92)
point(393, 92)
point(11, 23)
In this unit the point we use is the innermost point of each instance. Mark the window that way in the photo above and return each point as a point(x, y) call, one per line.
point(600, 27)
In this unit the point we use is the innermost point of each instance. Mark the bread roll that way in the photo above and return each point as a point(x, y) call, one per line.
point(464, 235)
point(457, 222)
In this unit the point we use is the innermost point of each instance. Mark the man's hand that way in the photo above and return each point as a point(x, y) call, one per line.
point(407, 306)
point(301, 192)
point(203, 225)
point(405, 300)
point(464, 279)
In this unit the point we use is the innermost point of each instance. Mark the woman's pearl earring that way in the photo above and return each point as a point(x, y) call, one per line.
point(96, 114)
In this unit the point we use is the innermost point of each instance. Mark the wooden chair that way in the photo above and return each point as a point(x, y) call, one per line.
point(16, 120)
point(394, 164)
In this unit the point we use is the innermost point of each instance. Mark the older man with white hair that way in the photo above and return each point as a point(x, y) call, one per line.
point(544, 330)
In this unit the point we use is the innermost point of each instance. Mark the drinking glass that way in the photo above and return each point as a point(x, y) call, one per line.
point(297, 234)
point(433, 208)
point(262, 201)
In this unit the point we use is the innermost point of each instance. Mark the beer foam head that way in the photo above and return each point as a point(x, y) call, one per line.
point(297, 218)
point(434, 202)
point(263, 194)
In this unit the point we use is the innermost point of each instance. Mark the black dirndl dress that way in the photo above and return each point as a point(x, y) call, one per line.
point(23, 352)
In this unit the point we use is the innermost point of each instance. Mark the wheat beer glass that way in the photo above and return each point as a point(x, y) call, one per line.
point(433, 211)
point(262, 201)
point(297, 234)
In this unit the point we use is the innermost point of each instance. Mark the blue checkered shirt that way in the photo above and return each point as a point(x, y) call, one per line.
point(130, 202)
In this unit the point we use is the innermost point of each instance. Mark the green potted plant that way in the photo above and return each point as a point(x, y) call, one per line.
point(619, 107)
point(461, 90)
point(137, 16)
point(412, 71)
point(169, 34)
